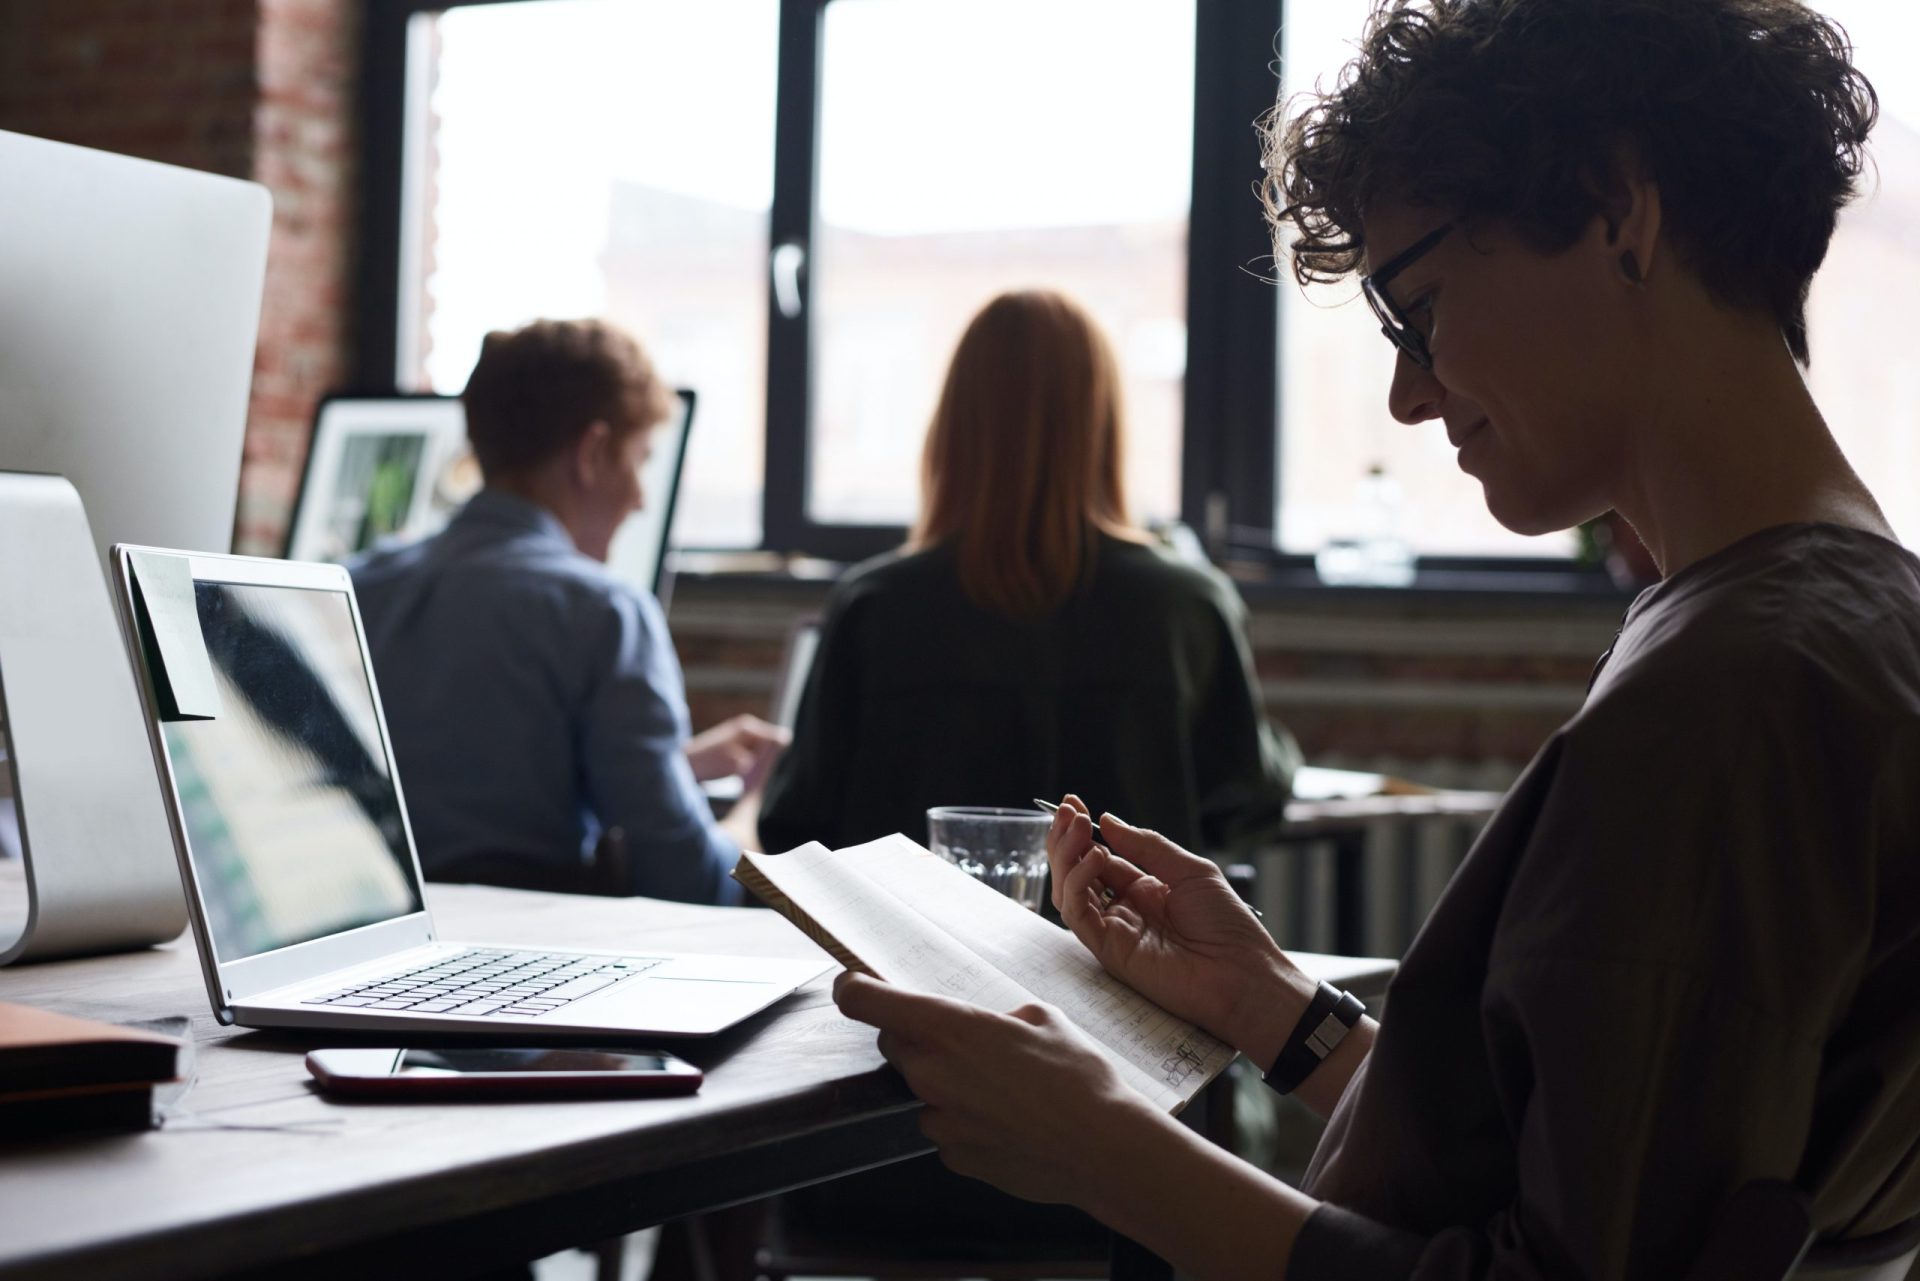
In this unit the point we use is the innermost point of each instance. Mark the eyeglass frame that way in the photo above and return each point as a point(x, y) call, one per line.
point(1393, 320)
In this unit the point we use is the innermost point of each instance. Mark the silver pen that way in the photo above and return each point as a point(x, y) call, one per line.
point(1099, 839)
point(1106, 892)
point(1098, 836)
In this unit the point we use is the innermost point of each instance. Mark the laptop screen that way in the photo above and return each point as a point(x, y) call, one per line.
point(639, 549)
point(291, 814)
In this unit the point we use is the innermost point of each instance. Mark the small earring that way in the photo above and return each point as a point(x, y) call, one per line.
point(1630, 267)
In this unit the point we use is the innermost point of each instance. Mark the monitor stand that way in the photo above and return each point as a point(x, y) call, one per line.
point(98, 855)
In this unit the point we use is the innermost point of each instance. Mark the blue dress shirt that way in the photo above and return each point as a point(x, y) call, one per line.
point(535, 700)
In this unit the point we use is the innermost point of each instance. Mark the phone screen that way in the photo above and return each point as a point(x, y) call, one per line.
point(497, 1062)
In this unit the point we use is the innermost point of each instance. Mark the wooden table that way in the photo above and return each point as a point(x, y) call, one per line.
point(264, 1176)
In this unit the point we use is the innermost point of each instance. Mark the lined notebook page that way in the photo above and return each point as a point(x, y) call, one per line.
point(959, 935)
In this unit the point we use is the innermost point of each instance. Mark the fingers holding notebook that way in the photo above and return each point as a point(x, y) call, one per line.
point(1021, 1100)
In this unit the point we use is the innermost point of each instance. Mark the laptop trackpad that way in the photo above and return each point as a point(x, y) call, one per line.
point(692, 1006)
point(722, 969)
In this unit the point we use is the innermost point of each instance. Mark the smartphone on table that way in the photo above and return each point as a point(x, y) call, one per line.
point(499, 1072)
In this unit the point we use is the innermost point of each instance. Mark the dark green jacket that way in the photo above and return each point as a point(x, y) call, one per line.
point(1137, 693)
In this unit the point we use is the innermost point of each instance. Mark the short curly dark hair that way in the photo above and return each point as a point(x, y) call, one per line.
point(1747, 114)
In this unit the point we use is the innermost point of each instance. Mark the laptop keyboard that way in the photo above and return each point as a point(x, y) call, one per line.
point(484, 981)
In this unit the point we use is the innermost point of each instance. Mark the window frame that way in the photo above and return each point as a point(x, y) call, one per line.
point(1231, 403)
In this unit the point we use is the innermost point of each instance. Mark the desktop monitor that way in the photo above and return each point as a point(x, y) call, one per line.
point(129, 301)
point(399, 467)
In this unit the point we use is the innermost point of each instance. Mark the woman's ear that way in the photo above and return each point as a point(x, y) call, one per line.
point(1630, 210)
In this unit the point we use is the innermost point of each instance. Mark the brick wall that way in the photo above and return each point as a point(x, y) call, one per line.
point(304, 149)
point(172, 81)
point(257, 89)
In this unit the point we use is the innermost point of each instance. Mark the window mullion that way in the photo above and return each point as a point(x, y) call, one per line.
point(1232, 390)
point(789, 276)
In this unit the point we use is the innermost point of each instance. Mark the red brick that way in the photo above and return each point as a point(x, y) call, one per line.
point(256, 88)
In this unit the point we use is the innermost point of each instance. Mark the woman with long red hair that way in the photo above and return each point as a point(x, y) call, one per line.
point(1029, 639)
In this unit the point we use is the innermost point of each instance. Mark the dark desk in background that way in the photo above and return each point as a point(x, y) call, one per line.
point(1391, 855)
point(793, 1096)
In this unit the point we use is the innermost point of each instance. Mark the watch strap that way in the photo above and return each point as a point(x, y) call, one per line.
point(1320, 1030)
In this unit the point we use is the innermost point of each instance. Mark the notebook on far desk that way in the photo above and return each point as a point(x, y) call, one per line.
point(1317, 783)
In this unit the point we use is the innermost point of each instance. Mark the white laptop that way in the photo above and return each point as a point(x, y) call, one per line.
point(291, 831)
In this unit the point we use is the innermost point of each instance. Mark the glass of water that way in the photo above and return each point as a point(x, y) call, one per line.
point(1006, 848)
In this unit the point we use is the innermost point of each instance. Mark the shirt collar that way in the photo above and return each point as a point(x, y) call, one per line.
point(500, 512)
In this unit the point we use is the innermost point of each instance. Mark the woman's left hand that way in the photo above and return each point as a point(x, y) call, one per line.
point(1023, 1100)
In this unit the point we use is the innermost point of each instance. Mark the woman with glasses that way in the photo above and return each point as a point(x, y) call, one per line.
point(1684, 956)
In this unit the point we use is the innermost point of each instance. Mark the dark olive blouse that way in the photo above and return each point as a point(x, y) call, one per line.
point(1684, 955)
point(1137, 693)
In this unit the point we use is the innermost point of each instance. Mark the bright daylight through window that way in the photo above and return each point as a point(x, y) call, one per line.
point(1860, 314)
point(574, 157)
point(605, 157)
point(1334, 371)
point(972, 146)
point(1336, 367)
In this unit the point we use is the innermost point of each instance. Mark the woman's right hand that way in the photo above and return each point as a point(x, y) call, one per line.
point(1166, 923)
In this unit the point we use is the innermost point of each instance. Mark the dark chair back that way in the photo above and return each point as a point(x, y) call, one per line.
point(606, 874)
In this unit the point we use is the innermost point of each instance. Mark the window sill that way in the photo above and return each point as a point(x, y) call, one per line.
point(1454, 583)
point(1291, 579)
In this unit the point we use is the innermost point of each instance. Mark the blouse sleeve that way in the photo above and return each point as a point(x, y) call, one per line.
point(635, 773)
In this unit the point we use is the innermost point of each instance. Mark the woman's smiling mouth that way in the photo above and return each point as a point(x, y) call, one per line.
point(1461, 437)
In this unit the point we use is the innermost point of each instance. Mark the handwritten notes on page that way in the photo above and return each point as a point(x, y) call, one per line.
point(914, 919)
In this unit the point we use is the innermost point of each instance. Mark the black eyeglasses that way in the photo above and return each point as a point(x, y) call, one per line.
point(1394, 322)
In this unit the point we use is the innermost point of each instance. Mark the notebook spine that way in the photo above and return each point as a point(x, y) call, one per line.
point(763, 889)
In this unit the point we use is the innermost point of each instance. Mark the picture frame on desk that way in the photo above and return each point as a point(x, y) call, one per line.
point(398, 466)
point(379, 467)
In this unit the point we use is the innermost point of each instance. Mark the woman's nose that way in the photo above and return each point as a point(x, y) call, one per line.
point(1416, 395)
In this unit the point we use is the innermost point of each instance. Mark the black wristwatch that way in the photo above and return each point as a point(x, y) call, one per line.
point(1314, 1037)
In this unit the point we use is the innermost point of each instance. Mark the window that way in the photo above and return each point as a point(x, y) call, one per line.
point(641, 158)
point(1049, 143)
point(1335, 368)
point(798, 204)
point(1859, 314)
point(1334, 373)
point(604, 157)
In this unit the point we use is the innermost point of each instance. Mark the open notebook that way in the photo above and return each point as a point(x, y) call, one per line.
point(895, 910)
